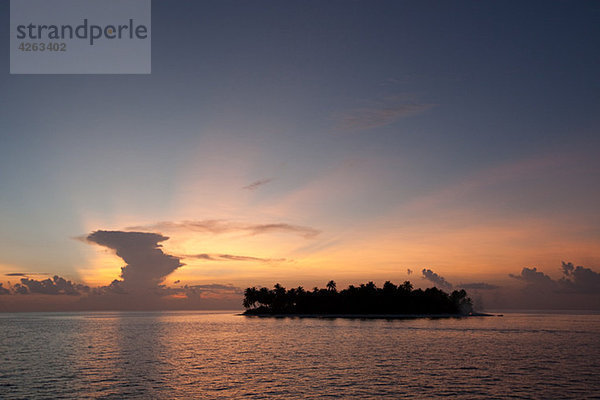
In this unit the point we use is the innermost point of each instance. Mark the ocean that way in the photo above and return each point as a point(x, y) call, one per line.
point(201, 355)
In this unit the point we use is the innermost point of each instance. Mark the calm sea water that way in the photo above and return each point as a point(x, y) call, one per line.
point(170, 355)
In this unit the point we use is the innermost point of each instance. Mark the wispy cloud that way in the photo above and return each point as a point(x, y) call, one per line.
point(380, 113)
point(529, 167)
point(215, 226)
point(212, 288)
point(256, 184)
point(231, 257)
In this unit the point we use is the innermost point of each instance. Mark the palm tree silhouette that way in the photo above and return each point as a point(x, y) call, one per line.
point(331, 286)
point(364, 299)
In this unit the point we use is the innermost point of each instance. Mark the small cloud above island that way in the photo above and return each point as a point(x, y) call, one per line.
point(436, 279)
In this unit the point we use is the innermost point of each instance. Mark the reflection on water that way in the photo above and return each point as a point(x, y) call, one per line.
point(201, 355)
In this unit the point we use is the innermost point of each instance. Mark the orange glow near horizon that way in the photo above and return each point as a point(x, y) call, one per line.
point(461, 248)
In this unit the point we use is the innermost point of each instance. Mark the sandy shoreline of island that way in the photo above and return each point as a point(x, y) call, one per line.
point(371, 316)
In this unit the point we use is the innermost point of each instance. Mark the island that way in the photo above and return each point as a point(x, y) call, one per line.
point(365, 300)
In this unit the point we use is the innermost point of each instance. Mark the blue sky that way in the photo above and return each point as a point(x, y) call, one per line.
point(367, 121)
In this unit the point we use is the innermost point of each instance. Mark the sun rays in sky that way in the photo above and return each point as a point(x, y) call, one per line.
point(312, 142)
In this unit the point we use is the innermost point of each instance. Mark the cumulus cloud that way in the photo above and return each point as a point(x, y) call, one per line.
point(115, 287)
point(534, 277)
point(140, 286)
point(3, 290)
point(231, 257)
point(478, 286)
point(575, 279)
point(436, 279)
point(217, 226)
point(147, 265)
point(579, 279)
point(256, 184)
point(578, 288)
point(54, 286)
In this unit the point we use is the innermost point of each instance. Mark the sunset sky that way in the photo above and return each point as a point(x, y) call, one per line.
point(298, 142)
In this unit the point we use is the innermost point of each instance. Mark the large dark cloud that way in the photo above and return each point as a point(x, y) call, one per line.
point(140, 287)
point(54, 286)
point(217, 226)
point(147, 265)
point(436, 279)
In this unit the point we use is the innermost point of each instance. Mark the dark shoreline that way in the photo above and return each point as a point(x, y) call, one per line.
point(370, 316)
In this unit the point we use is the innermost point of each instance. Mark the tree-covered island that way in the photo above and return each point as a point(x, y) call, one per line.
point(366, 299)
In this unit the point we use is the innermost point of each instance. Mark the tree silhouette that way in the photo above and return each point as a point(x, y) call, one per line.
point(331, 286)
point(365, 299)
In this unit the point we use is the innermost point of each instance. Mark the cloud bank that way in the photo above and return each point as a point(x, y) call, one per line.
point(3, 290)
point(54, 286)
point(580, 279)
point(574, 280)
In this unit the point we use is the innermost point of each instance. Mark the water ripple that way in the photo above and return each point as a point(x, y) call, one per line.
point(213, 356)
